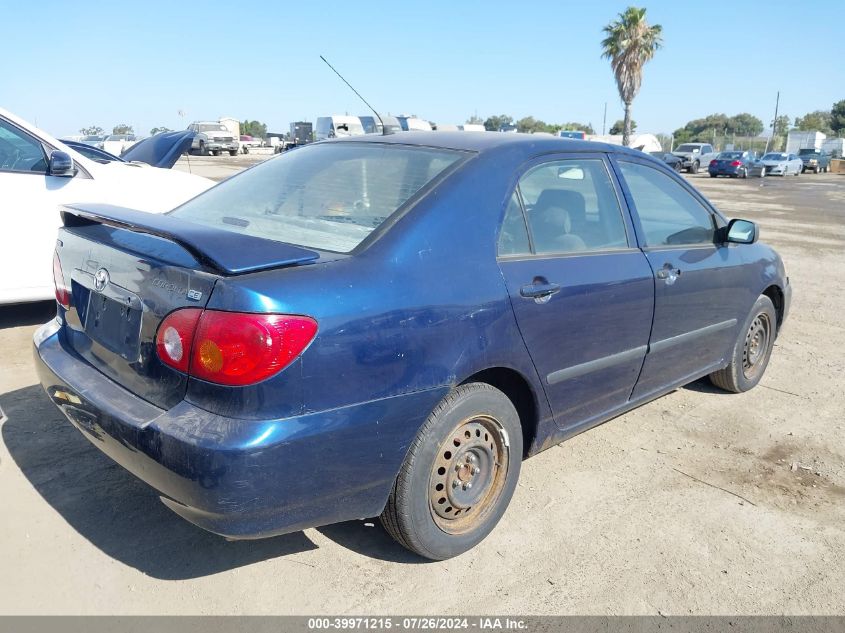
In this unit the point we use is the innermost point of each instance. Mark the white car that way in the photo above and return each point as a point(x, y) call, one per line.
point(779, 164)
point(38, 174)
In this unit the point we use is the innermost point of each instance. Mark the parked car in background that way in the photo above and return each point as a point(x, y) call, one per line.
point(94, 140)
point(337, 126)
point(675, 162)
point(371, 124)
point(38, 173)
point(778, 164)
point(212, 137)
point(695, 155)
point(814, 160)
point(246, 142)
point(118, 143)
point(92, 152)
point(736, 164)
point(161, 150)
point(251, 356)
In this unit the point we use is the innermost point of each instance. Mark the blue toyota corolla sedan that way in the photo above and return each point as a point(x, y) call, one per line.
point(389, 325)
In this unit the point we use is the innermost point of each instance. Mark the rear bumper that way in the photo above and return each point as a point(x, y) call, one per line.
point(240, 478)
point(725, 171)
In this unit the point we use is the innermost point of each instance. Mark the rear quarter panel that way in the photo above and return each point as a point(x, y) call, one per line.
point(423, 306)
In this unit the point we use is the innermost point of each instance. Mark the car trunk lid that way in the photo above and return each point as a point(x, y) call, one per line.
point(128, 270)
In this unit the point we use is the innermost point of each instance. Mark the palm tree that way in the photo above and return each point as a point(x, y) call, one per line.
point(629, 44)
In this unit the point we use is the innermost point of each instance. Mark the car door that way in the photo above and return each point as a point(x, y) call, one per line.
point(30, 217)
point(581, 291)
point(702, 287)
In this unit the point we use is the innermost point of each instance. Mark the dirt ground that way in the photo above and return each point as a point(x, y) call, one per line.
point(698, 503)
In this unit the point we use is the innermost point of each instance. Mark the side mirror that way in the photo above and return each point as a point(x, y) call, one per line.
point(61, 164)
point(742, 232)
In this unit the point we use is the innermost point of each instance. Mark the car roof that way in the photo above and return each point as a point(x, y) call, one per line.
point(483, 142)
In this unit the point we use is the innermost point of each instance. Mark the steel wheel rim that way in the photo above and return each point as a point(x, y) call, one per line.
point(468, 474)
point(756, 346)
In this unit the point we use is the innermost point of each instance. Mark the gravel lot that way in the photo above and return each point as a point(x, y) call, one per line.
point(698, 503)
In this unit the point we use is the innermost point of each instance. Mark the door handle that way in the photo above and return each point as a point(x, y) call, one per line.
point(668, 273)
point(539, 291)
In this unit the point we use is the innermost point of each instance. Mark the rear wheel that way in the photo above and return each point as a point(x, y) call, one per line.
point(234, 152)
point(712, 175)
point(459, 474)
point(752, 350)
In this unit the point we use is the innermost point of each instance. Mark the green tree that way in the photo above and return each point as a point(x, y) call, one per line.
point(619, 127)
point(630, 43)
point(781, 127)
point(837, 117)
point(587, 128)
point(93, 130)
point(530, 125)
point(159, 130)
point(122, 128)
point(495, 123)
point(254, 128)
point(744, 124)
point(475, 120)
point(817, 121)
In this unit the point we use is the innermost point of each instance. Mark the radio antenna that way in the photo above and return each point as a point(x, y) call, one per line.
point(383, 129)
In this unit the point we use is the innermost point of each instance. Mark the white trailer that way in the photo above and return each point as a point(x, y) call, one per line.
point(798, 139)
point(835, 147)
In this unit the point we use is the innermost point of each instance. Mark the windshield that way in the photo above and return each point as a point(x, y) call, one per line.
point(212, 127)
point(687, 148)
point(808, 152)
point(730, 155)
point(329, 196)
point(774, 157)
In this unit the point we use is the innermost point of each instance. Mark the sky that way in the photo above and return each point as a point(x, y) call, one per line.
point(67, 65)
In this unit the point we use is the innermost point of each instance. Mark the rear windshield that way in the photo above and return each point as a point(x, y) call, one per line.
point(327, 196)
point(731, 155)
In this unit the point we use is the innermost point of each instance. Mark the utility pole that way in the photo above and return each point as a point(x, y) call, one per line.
point(774, 123)
point(604, 119)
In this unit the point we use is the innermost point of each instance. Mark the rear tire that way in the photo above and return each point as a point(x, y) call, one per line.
point(234, 152)
point(459, 474)
point(752, 350)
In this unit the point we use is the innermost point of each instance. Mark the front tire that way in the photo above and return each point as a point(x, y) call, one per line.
point(459, 474)
point(752, 350)
point(694, 167)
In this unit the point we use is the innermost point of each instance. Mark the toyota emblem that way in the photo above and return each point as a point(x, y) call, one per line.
point(101, 279)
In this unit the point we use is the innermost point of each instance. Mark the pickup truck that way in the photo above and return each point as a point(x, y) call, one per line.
point(213, 137)
point(814, 160)
point(695, 155)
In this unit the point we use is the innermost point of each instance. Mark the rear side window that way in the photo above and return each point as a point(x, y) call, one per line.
point(571, 206)
point(668, 213)
point(328, 196)
point(513, 238)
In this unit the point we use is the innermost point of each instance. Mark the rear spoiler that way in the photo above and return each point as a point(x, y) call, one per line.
point(221, 251)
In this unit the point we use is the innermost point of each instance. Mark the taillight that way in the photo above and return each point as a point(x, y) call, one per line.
point(712, 163)
point(175, 337)
point(62, 290)
point(736, 163)
point(232, 348)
